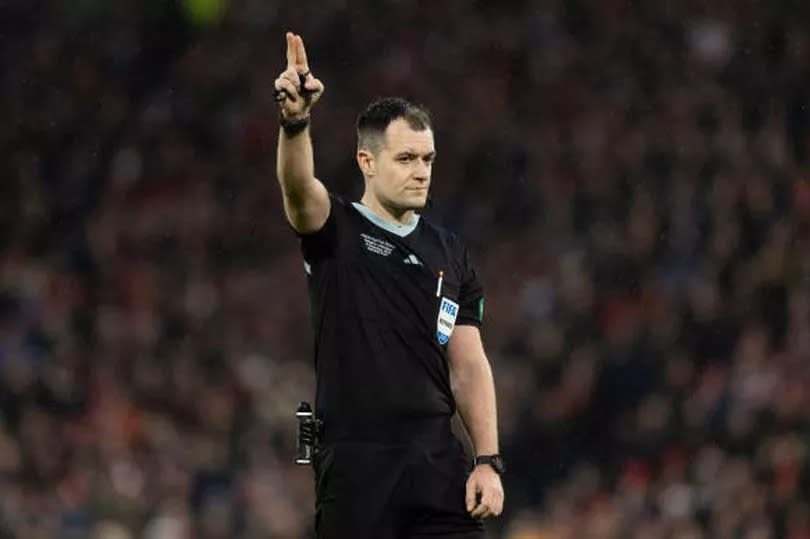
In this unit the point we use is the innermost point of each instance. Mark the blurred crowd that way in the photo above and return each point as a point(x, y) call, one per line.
point(631, 177)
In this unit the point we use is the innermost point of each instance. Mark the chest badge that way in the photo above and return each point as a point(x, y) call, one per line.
point(448, 312)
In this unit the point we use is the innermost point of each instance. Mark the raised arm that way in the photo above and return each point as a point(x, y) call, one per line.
point(306, 201)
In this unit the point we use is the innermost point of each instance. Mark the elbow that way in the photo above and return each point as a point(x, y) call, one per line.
point(465, 371)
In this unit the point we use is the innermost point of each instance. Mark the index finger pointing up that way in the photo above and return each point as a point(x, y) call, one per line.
point(300, 54)
point(291, 50)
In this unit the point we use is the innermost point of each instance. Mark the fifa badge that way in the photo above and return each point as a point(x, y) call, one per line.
point(448, 311)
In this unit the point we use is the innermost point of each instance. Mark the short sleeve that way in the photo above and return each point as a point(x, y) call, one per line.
point(322, 243)
point(471, 295)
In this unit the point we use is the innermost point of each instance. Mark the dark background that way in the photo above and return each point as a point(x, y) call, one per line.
point(631, 177)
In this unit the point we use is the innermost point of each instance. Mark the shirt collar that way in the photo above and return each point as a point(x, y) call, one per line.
point(393, 228)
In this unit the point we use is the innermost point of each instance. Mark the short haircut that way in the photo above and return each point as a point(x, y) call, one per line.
point(372, 122)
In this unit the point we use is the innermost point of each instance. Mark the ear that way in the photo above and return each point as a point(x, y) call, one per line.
point(365, 160)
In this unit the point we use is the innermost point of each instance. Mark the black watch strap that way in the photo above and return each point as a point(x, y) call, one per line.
point(496, 461)
point(293, 127)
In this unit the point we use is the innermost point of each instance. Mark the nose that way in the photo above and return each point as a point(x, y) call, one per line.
point(422, 172)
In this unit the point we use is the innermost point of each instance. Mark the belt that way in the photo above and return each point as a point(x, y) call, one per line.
point(398, 430)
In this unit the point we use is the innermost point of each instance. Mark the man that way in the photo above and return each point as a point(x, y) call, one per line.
point(396, 311)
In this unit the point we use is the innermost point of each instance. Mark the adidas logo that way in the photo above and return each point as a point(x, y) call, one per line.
point(411, 259)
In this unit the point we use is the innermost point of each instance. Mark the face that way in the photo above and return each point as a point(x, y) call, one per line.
point(399, 175)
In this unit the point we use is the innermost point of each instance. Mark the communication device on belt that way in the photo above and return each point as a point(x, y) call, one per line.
point(307, 432)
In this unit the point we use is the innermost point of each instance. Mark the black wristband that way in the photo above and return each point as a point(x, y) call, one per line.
point(496, 461)
point(293, 127)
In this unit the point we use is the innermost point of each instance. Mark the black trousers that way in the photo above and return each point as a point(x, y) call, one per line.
point(393, 490)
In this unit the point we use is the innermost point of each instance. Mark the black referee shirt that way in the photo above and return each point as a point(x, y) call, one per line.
point(384, 299)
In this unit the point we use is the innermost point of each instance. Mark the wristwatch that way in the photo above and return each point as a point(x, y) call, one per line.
point(496, 461)
point(293, 127)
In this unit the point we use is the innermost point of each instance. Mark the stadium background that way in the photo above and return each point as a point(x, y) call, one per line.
point(632, 177)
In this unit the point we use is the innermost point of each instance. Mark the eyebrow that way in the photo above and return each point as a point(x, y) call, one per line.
point(403, 153)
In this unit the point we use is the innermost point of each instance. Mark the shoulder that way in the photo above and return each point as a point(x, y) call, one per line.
point(345, 207)
point(325, 239)
point(338, 200)
point(338, 209)
point(450, 239)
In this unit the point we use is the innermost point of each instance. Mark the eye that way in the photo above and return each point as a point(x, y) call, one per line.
point(404, 158)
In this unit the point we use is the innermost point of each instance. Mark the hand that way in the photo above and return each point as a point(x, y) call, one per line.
point(288, 84)
point(483, 480)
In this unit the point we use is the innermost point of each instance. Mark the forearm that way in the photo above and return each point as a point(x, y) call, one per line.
point(474, 390)
point(295, 166)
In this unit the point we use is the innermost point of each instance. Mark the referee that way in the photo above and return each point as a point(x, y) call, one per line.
point(396, 310)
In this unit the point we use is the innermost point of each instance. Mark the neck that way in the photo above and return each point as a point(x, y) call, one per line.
point(394, 215)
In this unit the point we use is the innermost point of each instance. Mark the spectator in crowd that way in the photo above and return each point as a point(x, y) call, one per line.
point(648, 300)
